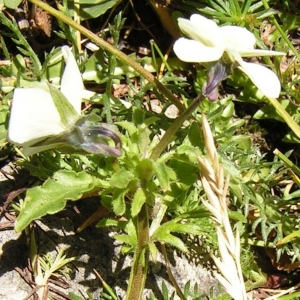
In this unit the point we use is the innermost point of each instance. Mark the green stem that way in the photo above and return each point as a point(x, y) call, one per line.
point(285, 116)
point(171, 277)
point(281, 111)
point(288, 163)
point(284, 36)
point(171, 131)
point(106, 46)
point(141, 257)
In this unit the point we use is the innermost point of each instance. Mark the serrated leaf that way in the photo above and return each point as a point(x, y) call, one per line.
point(174, 241)
point(137, 202)
point(153, 251)
point(121, 179)
point(144, 169)
point(163, 233)
point(131, 237)
point(162, 173)
point(186, 172)
point(52, 196)
point(125, 239)
point(109, 222)
point(143, 139)
point(118, 201)
point(129, 127)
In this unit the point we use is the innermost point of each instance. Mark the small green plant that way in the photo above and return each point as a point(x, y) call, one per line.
point(159, 177)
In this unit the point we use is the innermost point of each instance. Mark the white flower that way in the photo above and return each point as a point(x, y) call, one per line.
point(34, 115)
point(44, 118)
point(209, 42)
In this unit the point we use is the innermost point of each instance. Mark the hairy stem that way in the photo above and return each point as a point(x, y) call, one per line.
point(141, 257)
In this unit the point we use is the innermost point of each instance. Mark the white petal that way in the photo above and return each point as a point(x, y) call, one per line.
point(28, 151)
point(259, 52)
point(33, 116)
point(237, 38)
point(71, 82)
point(201, 29)
point(264, 79)
point(193, 51)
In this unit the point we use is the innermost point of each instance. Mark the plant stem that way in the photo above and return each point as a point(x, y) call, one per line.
point(141, 257)
point(171, 131)
point(285, 116)
point(106, 46)
point(282, 33)
point(171, 277)
point(281, 111)
point(165, 17)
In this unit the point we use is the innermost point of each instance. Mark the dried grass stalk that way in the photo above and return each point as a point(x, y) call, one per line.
point(216, 186)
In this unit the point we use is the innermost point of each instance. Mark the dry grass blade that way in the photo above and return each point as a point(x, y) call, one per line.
point(215, 187)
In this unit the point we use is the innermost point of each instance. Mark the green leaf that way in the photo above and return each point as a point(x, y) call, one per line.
point(90, 9)
point(165, 291)
point(67, 113)
point(52, 196)
point(138, 116)
point(143, 139)
point(137, 202)
point(186, 173)
point(162, 173)
point(13, 4)
point(118, 201)
point(3, 125)
point(129, 127)
point(153, 251)
point(109, 222)
point(94, 68)
point(74, 296)
point(267, 112)
point(237, 216)
point(121, 179)
point(290, 296)
point(228, 111)
point(144, 169)
point(126, 239)
point(163, 233)
point(131, 237)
